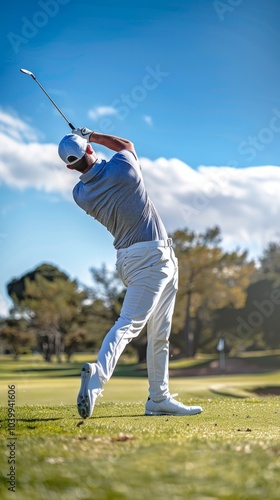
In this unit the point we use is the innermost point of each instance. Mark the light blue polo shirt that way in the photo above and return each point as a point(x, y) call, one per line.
point(113, 192)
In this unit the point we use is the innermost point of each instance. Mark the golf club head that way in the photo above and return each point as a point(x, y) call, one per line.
point(26, 72)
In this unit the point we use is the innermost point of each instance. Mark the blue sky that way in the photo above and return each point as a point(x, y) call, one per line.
point(194, 84)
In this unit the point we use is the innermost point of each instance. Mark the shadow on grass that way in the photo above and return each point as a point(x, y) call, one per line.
point(38, 419)
point(94, 417)
point(70, 371)
point(273, 390)
point(52, 372)
point(32, 419)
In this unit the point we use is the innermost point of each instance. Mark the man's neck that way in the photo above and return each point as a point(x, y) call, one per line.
point(90, 166)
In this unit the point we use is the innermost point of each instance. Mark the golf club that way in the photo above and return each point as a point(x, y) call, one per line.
point(26, 72)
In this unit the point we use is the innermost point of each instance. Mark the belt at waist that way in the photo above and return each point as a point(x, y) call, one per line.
point(148, 244)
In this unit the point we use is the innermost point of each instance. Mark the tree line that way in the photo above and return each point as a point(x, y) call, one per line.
point(221, 295)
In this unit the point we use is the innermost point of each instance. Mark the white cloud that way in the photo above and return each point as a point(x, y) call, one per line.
point(244, 202)
point(25, 163)
point(33, 165)
point(4, 307)
point(101, 111)
point(15, 128)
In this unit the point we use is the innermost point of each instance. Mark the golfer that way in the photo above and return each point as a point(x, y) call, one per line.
point(113, 193)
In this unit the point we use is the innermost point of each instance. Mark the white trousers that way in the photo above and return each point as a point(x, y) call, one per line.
point(150, 272)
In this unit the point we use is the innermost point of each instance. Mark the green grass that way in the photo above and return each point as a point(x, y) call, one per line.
point(229, 452)
point(53, 383)
point(55, 386)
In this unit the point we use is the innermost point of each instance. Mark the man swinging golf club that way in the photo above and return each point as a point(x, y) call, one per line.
point(113, 192)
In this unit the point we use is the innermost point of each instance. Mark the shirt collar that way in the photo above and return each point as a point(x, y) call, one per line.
point(95, 169)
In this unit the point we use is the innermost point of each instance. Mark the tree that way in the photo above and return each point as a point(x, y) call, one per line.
point(53, 304)
point(263, 301)
point(261, 315)
point(256, 324)
point(209, 278)
point(17, 287)
point(108, 288)
point(17, 335)
point(270, 264)
point(108, 292)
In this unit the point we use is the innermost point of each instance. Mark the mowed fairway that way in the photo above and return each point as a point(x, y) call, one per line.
point(231, 451)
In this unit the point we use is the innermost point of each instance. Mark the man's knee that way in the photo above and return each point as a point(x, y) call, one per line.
point(133, 326)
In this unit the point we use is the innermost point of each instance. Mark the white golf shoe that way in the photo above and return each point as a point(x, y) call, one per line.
point(90, 389)
point(170, 407)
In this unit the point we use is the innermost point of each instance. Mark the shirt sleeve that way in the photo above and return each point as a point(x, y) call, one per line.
point(126, 156)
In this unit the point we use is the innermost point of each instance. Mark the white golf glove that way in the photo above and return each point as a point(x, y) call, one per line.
point(83, 132)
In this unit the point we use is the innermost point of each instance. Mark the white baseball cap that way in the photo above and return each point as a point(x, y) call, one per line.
point(72, 148)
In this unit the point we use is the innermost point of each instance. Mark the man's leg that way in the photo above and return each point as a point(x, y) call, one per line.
point(160, 401)
point(138, 305)
point(145, 283)
point(158, 332)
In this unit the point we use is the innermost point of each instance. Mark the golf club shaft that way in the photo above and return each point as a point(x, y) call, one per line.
point(55, 105)
point(59, 110)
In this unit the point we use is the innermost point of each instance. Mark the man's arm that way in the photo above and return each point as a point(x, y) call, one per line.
point(109, 141)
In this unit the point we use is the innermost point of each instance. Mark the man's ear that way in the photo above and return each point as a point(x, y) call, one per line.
point(89, 149)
